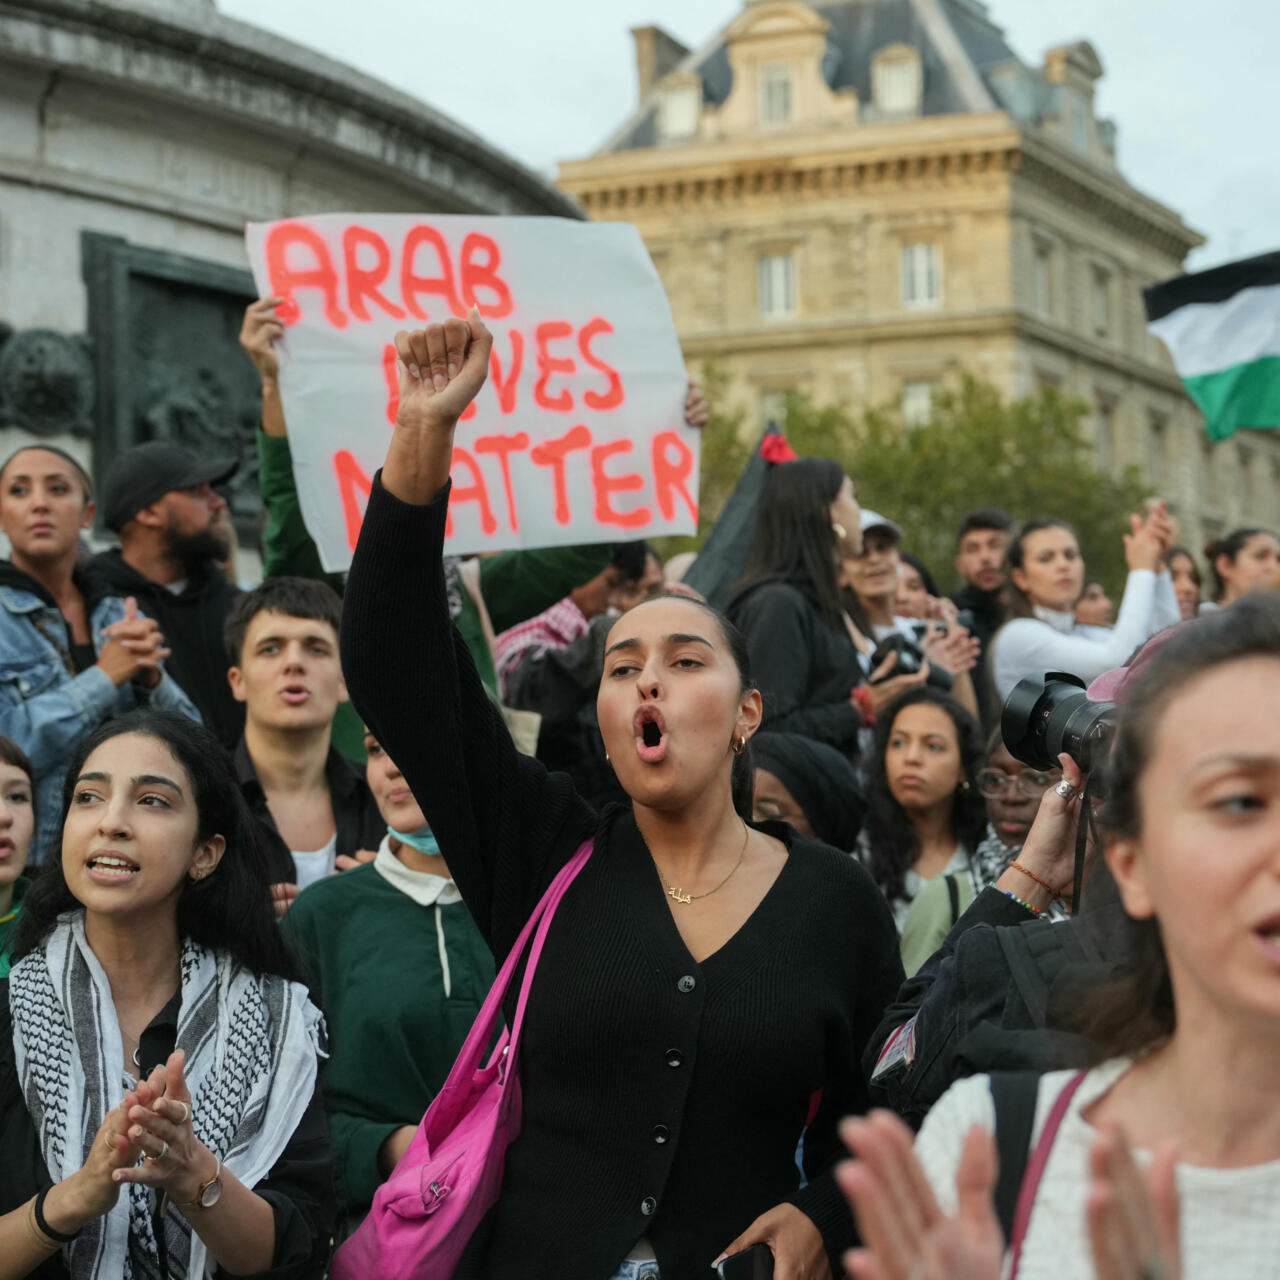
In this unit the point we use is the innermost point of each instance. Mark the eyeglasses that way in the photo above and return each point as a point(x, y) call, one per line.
point(1029, 784)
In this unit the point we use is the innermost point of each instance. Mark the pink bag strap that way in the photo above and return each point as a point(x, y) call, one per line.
point(543, 913)
point(481, 1033)
point(1036, 1167)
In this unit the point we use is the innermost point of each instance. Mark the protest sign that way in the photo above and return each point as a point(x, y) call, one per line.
point(577, 436)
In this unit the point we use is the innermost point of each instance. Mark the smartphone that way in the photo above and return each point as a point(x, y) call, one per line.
point(755, 1263)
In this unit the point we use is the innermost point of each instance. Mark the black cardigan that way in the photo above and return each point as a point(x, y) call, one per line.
point(662, 1098)
point(299, 1186)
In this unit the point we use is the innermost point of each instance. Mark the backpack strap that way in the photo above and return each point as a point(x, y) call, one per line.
point(1025, 969)
point(1014, 1094)
point(953, 893)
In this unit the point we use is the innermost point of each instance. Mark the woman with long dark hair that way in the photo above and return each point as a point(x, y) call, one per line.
point(72, 654)
point(158, 1104)
point(1046, 577)
point(1166, 1156)
point(925, 815)
point(805, 649)
point(1244, 560)
point(1187, 582)
point(682, 1030)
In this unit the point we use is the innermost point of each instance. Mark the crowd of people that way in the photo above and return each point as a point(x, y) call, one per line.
point(263, 851)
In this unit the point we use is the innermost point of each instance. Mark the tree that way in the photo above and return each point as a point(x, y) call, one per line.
point(1029, 457)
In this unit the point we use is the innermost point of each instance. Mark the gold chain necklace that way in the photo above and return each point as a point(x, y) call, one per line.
point(674, 891)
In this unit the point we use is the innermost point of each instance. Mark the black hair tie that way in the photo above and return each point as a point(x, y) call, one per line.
point(60, 1236)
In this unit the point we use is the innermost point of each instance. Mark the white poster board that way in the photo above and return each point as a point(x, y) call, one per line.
point(577, 436)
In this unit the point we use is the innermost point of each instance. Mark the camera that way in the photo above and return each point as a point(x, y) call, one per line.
point(910, 659)
point(1046, 716)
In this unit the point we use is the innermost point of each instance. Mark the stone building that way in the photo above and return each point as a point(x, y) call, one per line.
point(136, 139)
point(859, 199)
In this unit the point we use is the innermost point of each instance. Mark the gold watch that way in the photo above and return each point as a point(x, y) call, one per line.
point(210, 1192)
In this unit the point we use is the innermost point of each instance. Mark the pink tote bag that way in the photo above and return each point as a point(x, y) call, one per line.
point(425, 1214)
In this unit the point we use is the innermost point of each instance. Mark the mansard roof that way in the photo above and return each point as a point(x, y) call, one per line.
point(967, 63)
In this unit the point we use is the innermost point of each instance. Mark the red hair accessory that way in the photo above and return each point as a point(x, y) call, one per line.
point(774, 448)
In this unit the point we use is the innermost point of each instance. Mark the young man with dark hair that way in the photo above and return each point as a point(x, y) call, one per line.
point(313, 806)
point(981, 543)
point(175, 531)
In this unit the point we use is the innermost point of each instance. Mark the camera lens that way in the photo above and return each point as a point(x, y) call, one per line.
point(1045, 717)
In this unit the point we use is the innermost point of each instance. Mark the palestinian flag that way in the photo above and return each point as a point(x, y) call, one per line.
point(1222, 328)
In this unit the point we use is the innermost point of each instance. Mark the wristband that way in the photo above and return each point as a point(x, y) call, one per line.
point(861, 698)
point(1031, 875)
point(1035, 911)
point(38, 1213)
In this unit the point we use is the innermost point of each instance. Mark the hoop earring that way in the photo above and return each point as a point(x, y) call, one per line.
point(606, 758)
point(739, 745)
point(839, 530)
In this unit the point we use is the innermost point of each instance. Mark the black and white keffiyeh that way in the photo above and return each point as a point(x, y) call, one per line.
point(251, 1049)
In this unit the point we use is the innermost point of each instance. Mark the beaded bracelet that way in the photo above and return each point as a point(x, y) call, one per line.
point(1035, 911)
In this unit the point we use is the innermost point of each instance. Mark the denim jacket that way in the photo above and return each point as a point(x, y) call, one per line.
point(46, 709)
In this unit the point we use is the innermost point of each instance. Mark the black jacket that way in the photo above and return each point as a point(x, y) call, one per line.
point(661, 1097)
point(998, 995)
point(989, 615)
point(192, 623)
point(355, 812)
point(804, 667)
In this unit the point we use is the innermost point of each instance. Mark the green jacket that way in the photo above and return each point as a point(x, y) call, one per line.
point(373, 958)
point(516, 585)
point(9, 923)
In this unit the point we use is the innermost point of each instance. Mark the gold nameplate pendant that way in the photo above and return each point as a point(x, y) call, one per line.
point(680, 896)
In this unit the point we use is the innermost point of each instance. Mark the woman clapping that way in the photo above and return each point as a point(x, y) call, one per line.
point(158, 1104)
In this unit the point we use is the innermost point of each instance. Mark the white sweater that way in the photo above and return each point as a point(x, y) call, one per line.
point(1230, 1217)
point(1053, 641)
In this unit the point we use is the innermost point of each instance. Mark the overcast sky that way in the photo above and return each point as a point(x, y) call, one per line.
point(1191, 85)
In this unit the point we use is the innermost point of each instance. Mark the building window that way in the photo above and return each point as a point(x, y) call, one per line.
point(777, 277)
point(1042, 278)
point(1157, 442)
point(1100, 301)
point(921, 275)
point(896, 85)
point(776, 93)
point(917, 402)
point(773, 408)
point(678, 109)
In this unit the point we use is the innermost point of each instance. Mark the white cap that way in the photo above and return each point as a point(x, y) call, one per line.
point(874, 520)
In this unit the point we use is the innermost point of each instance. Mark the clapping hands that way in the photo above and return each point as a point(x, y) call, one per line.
point(132, 649)
point(1151, 538)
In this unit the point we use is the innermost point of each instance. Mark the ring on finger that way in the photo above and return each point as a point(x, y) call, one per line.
point(1065, 790)
point(110, 1140)
point(164, 1151)
point(186, 1112)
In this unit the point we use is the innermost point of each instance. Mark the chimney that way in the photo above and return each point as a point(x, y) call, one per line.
point(657, 53)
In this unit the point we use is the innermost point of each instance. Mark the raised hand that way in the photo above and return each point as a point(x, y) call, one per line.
point(442, 367)
point(905, 1234)
point(132, 649)
point(1133, 1219)
point(954, 650)
point(886, 688)
point(1050, 848)
point(697, 413)
point(258, 335)
point(1144, 544)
